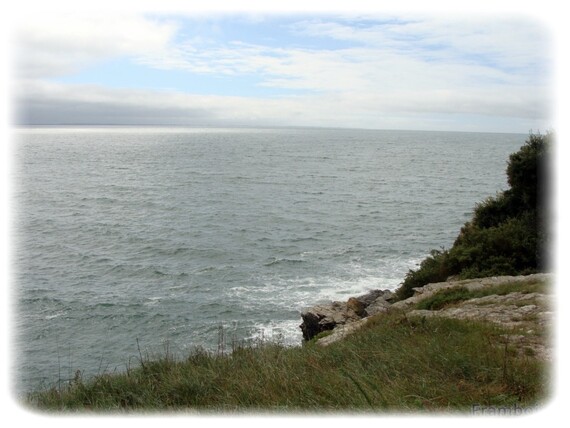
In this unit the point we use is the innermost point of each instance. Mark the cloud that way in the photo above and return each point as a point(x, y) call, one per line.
point(53, 103)
point(383, 57)
point(383, 72)
point(506, 43)
point(54, 45)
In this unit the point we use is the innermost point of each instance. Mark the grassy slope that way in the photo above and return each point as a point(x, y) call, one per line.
point(393, 364)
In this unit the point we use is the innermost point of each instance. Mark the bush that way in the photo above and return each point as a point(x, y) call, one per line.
point(507, 234)
point(432, 269)
point(493, 211)
point(527, 171)
point(506, 249)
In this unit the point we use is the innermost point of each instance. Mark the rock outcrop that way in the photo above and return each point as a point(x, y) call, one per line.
point(529, 313)
point(428, 290)
point(329, 316)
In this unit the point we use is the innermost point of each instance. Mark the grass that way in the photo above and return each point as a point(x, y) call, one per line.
point(392, 365)
point(454, 295)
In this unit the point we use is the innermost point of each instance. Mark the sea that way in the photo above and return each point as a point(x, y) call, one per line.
point(133, 243)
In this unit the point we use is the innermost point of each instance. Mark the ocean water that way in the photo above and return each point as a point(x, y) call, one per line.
point(156, 239)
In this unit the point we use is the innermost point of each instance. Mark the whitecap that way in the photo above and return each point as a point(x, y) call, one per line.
point(286, 332)
point(53, 316)
point(151, 301)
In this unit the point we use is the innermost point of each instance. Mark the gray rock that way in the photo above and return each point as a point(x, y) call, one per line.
point(371, 296)
point(328, 316)
point(357, 306)
point(342, 331)
point(380, 305)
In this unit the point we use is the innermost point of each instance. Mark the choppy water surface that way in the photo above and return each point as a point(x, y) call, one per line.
point(162, 235)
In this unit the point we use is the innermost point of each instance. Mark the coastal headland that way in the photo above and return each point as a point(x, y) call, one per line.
point(520, 304)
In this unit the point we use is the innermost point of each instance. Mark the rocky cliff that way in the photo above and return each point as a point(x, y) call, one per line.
point(506, 301)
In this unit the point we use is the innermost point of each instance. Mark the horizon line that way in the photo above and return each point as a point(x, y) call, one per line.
point(307, 127)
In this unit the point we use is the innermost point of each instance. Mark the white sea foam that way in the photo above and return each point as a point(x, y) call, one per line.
point(55, 315)
point(285, 332)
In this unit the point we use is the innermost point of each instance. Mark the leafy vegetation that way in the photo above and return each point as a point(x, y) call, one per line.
point(507, 235)
point(393, 364)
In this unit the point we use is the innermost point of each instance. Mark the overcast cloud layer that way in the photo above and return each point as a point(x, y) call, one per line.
point(277, 70)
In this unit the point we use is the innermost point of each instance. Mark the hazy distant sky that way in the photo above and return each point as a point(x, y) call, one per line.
point(382, 71)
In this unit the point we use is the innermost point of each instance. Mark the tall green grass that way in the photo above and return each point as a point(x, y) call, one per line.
point(393, 365)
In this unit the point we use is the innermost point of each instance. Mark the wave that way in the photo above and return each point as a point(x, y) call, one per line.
point(302, 239)
point(158, 251)
point(285, 332)
point(99, 199)
point(331, 252)
point(152, 301)
point(275, 261)
point(55, 315)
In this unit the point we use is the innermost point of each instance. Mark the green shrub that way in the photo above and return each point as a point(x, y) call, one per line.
point(528, 171)
point(432, 269)
point(505, 249)
point(493, 210)
point(508, 233)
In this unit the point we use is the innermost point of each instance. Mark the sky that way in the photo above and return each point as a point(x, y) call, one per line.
point(348, 70)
